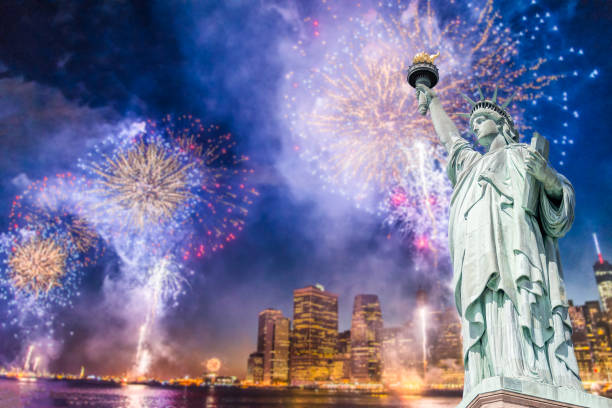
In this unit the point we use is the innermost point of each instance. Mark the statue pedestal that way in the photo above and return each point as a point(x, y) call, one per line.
point(498, 392)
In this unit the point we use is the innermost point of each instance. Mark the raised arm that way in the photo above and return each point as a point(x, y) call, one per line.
point(445, 128)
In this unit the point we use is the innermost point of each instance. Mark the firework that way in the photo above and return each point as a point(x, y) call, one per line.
point(41, 268)
point(26, 365)
point(57, 202)
point(149, 182)
point(347, 102)
point(165, 282)
point(223, 195)
point(170, 185)
point(418, 205)
point(37, 265)
point(213, 365)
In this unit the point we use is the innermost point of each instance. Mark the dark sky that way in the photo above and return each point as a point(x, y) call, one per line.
point(70, 72)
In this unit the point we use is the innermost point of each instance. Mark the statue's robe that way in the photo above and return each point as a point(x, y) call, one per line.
point(508, 281)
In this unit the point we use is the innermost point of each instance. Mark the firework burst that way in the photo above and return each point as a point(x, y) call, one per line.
point(223, 194)
point(41, 267)
point(149, 182)
point(418, 206)
point(176, 184)
point(58, 202)
point(37, 266)
point(347, 102)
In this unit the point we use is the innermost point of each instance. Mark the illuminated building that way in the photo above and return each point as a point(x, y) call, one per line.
point(273, 344)
point(402, 348)
point(315, 332)
point(225, 380)
point(592, 311)
point(577, 317)
point(393, 363)
point(255, 368)
point(445, 335)
point(603, 277)
point(341, 371)
point(280, 352)
point(592, 341)
point(366, 340)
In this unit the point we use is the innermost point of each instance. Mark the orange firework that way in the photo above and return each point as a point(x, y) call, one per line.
point(348, 104)
point(38, 265)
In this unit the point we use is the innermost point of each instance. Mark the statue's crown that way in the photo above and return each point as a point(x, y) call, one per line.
point(424, 57)
point(488, 104)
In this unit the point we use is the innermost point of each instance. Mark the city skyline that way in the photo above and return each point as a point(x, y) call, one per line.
point(241, 71)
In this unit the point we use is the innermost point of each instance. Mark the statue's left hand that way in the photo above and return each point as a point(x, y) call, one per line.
point(536, 164)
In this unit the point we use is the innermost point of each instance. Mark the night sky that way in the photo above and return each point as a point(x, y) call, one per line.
point(73, 72)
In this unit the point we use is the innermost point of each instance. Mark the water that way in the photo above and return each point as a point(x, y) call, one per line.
point(51, 394)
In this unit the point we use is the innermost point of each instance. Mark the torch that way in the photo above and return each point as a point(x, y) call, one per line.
point(423, 72)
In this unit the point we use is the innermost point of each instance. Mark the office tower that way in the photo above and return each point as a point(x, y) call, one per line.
point(280, 352)
point(341, 371)
point(315, 332)
point(273, 344)
point(393, 364)
point(446, 336)
point(366, 340)
point(255, 368)
point(603, 277)
point(265, 339)
point(592, 311)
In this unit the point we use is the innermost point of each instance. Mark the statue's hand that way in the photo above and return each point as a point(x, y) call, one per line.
point(424, 96)
point(536, 165)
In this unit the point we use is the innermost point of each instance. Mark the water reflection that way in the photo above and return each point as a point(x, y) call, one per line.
point(62, 394)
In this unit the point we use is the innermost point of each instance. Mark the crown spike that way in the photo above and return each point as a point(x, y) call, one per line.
point(464, 115)
point(494, 95)
point(480, 92)
point(467, 98)
point(505, 105)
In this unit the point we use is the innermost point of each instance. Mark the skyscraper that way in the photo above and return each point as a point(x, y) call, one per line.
point(255, 368)
point(445, 335)
point(273, 344)
point(366, 340)
point(341, 371)
point(315, 332)
point(280, 351)
point(603, 277)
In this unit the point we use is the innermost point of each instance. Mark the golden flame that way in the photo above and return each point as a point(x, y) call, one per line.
point(424, 57)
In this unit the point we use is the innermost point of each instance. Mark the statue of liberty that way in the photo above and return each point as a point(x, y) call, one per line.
point(507, 211)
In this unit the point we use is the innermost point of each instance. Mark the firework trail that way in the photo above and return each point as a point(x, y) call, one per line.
point(57, 201)
point(352, 116)
point(36, 362)
point(26, 365)
point(418, 206)
point(165, 282)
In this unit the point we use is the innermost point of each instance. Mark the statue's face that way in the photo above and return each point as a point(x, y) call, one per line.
point(485, 129)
